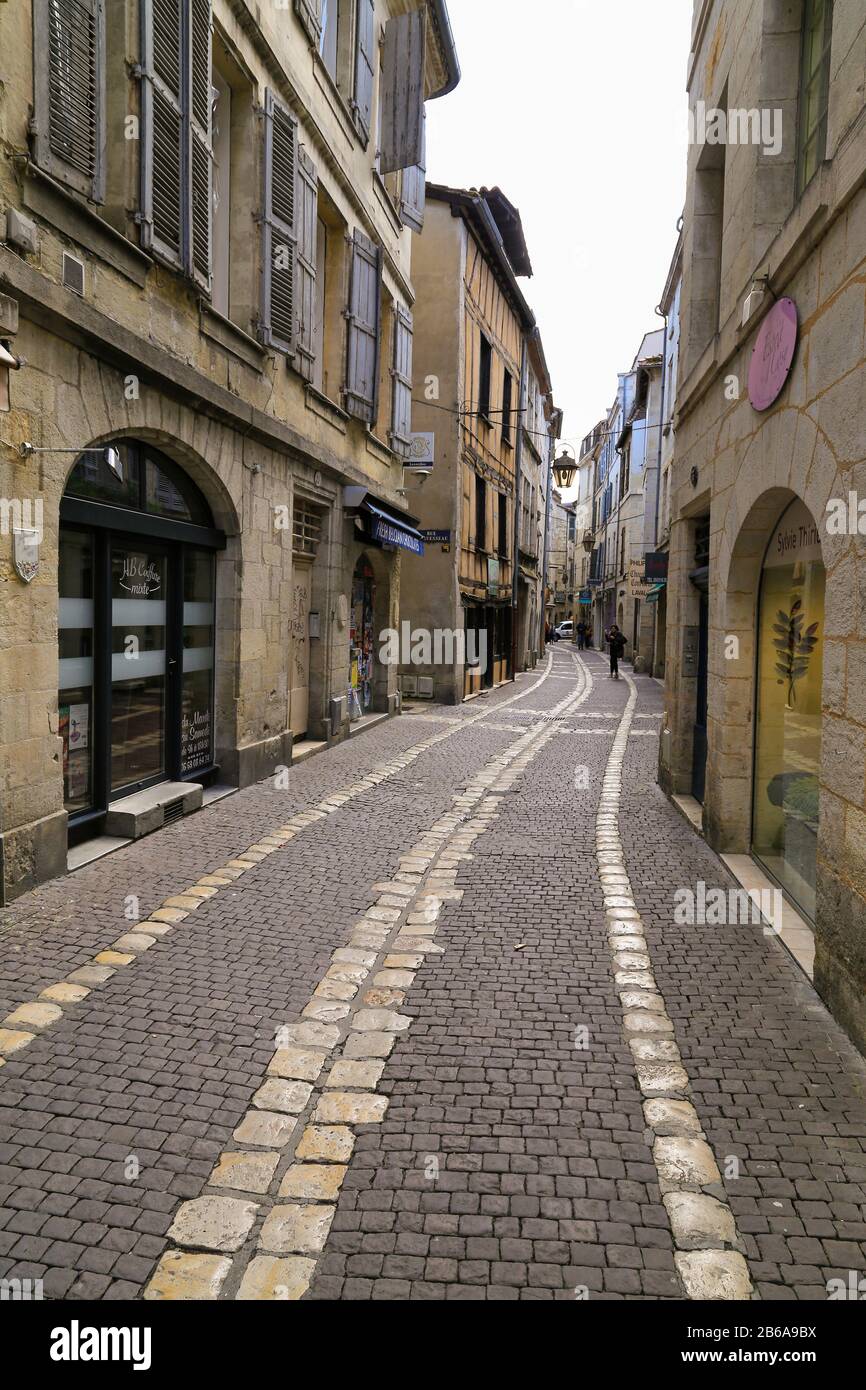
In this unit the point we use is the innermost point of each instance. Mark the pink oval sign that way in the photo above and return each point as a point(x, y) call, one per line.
point(773, 354)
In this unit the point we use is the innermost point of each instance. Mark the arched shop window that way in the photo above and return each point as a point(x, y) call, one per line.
point(788, 722)
point(136, 630)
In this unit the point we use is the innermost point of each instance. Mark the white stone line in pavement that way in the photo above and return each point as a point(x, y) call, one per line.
point(352, 1037)
point(707, 1247)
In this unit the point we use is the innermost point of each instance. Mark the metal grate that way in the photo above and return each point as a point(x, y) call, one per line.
point(173, 811)
point(306, 529)
point(73, 273)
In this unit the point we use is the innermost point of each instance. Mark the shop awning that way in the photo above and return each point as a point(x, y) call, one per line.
point(382, 524)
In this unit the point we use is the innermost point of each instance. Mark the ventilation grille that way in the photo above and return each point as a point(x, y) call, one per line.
point(425, 687)
point(409, 685)
point(73, 273)
point(173, 811)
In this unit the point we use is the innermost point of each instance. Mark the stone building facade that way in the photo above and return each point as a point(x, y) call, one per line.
point(766, 634)
point(486, 408)
point(206, 278)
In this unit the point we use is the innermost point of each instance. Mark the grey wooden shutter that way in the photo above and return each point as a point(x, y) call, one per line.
point(401, 372)
point(279, 246)
point(413, 190)
point(402, 132)
point(362, 361)
point(365, 66)
point(69, 92)
point(305, 289)
point(176, 149)
point(163, 128)
point(310, 14)
point(200, 177)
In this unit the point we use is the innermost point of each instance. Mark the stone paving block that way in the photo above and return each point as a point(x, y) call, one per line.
point(184, 1276)
point(245, 1172)
point(64, 993)
point(369, 1044)
point(266, 1278)
point(293, 1229)
point(285, 1097)
point(296, 1063)
point(13, 1039)
point(266, 1128)
point(213, 1223)
point(349, 1108)
point(714, 1274)
point(327, 1143)
point(32, 1016)
point(359, 1075)
point(699, 1222)
point(317, 1182)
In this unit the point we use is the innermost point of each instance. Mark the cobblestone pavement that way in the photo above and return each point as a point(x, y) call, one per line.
point(417, 1027)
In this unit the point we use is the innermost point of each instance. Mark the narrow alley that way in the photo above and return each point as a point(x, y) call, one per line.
point(421, 1025)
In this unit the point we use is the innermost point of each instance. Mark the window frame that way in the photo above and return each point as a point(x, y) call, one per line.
point(816, 138)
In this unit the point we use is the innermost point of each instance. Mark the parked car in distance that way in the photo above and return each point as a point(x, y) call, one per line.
point(565, 631)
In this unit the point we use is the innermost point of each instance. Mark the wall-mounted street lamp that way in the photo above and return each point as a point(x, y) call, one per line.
point(565, 471)
point(109, 454)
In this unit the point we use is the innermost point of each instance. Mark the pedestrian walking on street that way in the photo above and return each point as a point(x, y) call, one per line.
point(616, 642)
point(581, 636)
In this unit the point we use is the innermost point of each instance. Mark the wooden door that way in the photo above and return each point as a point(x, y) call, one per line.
point(299, 657)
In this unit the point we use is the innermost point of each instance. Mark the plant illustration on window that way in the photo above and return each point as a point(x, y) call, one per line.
point(794, 647)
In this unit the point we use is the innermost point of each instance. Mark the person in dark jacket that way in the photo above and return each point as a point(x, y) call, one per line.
point(581, 636)
point(616, 642)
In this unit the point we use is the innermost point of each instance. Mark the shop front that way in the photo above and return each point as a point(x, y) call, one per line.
point(787, 754)
point(136, 629)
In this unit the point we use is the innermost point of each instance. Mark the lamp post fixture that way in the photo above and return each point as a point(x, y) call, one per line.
point(565, 471)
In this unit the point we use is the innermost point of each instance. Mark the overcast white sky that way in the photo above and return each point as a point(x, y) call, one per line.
point(577, 109)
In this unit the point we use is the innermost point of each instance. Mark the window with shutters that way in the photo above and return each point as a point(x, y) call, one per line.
point(485, 369)
point(364, 325)
point(502, 537)
point(176, 132)
point(306, 299)
point(507, 393)
point(279, 227)
point(401, 107)
point(331, 297)
point(401, 393)
point(365, 67)
point(69, 92)
point(480, 513)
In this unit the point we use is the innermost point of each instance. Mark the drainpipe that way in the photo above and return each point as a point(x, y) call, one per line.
point(518, 459)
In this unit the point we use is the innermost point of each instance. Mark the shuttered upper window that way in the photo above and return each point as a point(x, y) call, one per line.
point(362, 362)
point(69, 92)
point(176, 134)
point(401, 424)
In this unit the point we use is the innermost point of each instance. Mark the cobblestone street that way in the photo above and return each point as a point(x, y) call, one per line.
point(384, 1035)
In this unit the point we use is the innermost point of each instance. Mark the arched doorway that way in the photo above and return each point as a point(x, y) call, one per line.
point(787, 752)
point(137, 621)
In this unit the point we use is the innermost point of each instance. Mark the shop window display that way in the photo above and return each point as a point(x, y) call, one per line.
point(788, 724)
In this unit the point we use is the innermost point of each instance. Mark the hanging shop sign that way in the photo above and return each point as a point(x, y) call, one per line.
point(655, 566)
point(638, 586)
point(773, 354)
point(388, 532)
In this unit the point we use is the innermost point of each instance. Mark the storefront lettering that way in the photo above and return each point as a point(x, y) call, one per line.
point(139, 577)
point(195, 740)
